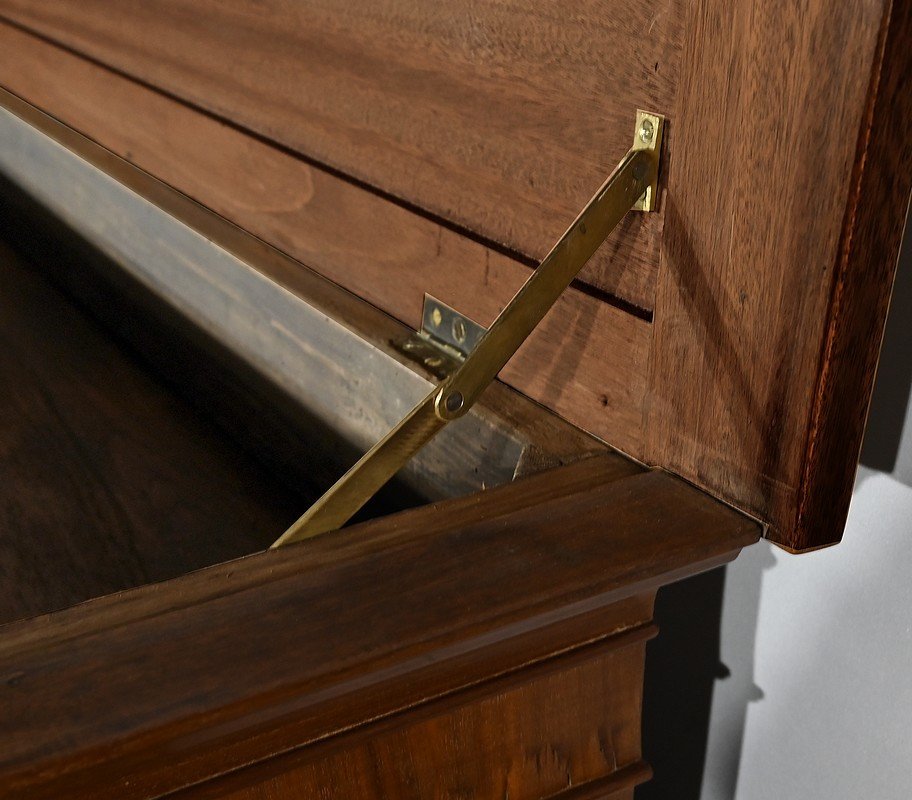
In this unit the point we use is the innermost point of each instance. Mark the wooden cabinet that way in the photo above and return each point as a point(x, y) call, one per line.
point(224, 218)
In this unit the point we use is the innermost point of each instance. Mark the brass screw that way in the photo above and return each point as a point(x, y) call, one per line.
point(459, 330)
point(433, 361)
point(647, 131)
point(436, 317)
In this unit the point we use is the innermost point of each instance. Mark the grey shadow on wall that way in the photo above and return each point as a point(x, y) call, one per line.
point(892, 389)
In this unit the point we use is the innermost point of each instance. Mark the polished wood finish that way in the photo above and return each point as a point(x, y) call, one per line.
point(449, 612)
point(783, 187)
point(502, 121)
point(110, 480)
point(787, 192)
point(346, 232)
point(566, 728)
point(871, 240)
point(553, 713)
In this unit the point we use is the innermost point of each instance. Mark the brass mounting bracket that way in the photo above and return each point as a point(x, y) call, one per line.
point(632, 185)
point(647, 135)
point(444, 341)
point(446, 328)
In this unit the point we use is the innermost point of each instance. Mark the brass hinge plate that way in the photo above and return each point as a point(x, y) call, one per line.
point(647, 135)
point(446, 336)
point(448, 329)
point(445, 339)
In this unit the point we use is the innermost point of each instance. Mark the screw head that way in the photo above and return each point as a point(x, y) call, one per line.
point(454, 402)
point(647, 131)
point(459, 330)
point(436, 317)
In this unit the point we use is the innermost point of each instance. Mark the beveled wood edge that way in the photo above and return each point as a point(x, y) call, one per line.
point(505, 425)
point(738, 452)
point(668, 531)
point(254, 571)
point(872, 235)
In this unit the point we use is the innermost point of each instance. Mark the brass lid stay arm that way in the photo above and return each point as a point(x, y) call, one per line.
point(632, 182)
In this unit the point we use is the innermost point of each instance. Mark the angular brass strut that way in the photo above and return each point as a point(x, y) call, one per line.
point(632, 184)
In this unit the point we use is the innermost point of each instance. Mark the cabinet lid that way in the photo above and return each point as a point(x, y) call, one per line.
point(401, 148)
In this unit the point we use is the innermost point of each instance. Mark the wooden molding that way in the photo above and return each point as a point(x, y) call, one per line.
point(316, 640)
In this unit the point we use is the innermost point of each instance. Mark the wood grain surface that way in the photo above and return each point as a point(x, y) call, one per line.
point(566, 729)
point(587, 361)
point(784, 205)
point(869, 248)
point(314, 641)
point(503, 119)
point(109, 480)
point(776, 260)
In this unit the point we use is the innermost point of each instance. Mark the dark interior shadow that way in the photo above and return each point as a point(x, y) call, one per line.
point(683, 671)
point(894, 374)
point(269, 424)
point(682, 664)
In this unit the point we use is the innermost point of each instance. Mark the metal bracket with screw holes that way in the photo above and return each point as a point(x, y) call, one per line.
point(448, 329)
point(445, 339)
point(648, 136)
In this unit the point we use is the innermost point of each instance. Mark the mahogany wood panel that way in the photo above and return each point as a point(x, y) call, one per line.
point(257, 657)
point(503, 119)
point(563, 727)
point(587, 362)
point(785, 201)
point(108, 479)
